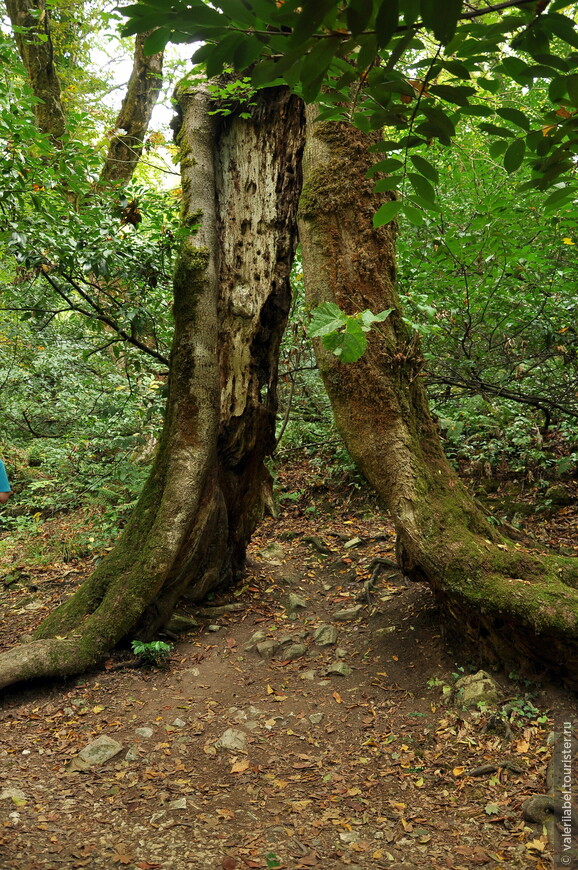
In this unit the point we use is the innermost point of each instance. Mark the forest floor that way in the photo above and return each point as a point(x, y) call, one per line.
point(355, 754)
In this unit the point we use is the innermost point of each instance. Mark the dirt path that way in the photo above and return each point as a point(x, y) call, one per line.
point(341, 755)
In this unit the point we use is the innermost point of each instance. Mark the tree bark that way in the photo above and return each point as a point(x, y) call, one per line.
point(204, 497)
point(142, 93)
point(513, 604)
point(31, 26)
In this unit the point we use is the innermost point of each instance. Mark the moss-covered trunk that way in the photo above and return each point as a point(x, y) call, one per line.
point(514, 604)
point(204, 497)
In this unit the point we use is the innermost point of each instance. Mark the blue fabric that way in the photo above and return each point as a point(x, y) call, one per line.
point(4, 485)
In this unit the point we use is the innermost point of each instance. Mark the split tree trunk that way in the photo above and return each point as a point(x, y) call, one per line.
point(512, 603)
point(205, 494)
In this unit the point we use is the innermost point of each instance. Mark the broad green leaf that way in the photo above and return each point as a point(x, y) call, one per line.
point(556, 198)
point(386, 21)
point(368, 318)
point(386, 212)
point(392, 182)
point(157, 41)
point(392, 164)
point(458, 95)
point(414, 215)
point(494, 130)
point(357, 14)
point(514, 156)
point(315, 65)
point(325, 318)
point(348, 345)
point(238, 12)
point(442, 18)
point(424, 166)
point(572, 85)
point(515, 116)
point(422, 187)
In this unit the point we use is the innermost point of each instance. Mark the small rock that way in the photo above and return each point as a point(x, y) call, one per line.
point(295, 602)
point(316, 718)
point(348, 614)
point(255, 638)
point(273, 553)
point(144, 732)
point(308, 675)
point(340, 653)
point(132, 754)
point(98, 752)
point(477, 688)
point(340, 669)
point(232, 739)
point(179, 723)
point(180, 623)
point(380, 632)
point(16, 795)
point(213, 627)
point(353, 542)
point(295, 651)
point(325, 635)
point(178, 804)
point(349, 837)
point(267, 648)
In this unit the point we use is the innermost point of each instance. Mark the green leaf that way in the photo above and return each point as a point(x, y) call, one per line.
point(494, 130)
point(391, 164)
point(458, 95)
point(157, 41)
point(514, 156)
point(357, 14)
point(442, 18)
point(424, 166)
point(439, 124)
point(386, 212)
point(315, 66)
point(422, 187)
point(237, 11)
point(386, 21)
point(392, 182)
point(349, 345)
point(326, 318)
point(368, 318)
point(557, 198)
point(515, 116)
point(414, 215)
point(572, 85)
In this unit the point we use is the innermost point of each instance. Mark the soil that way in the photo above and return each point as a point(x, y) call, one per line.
point(371, 769)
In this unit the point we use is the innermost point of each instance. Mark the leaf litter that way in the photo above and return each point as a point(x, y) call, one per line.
point(371, 769)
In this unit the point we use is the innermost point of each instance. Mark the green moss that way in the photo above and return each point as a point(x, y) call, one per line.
point(189, 279)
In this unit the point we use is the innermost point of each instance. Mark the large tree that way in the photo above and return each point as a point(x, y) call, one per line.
point(208, 485)
point(514, 604)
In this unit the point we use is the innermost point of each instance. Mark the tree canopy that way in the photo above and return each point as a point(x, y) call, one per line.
point(417, 68)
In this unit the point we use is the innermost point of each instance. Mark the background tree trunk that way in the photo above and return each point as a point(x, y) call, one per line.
point(31, 26)
point(512, 603)
point(204, 497)
point(133, 120)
